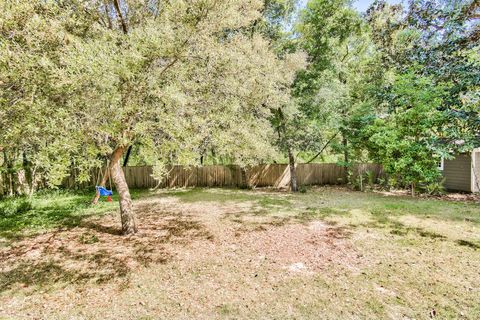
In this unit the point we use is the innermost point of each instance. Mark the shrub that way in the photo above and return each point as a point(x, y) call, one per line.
point(14, 206)
point(302, 189)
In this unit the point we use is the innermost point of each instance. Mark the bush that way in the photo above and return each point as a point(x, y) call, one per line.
point(364, 181)
point(435, 188)
point(14, 206)
point(302, 189)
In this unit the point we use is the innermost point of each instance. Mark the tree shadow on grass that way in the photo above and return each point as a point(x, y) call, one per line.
point(260, 219)
point(467, 243)
point(66, 213)
point(21, 216)
point(385, 220)
point(95, 251)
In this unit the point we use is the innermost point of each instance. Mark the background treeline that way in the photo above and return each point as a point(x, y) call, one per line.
point(89, 84)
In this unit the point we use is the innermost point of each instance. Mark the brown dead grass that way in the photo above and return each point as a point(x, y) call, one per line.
point(315, 246)
point(172, 232)
point(449, 196)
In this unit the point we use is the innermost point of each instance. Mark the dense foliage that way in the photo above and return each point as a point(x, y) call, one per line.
point(398, 85)
point(427, 107)
point(84, 80)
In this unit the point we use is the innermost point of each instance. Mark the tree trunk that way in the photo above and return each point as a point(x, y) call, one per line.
point(245, 183)
point(413, 189)
point(3, 175)
point(33, 186)
point(9, 174)
point(345, 158)
point(293, 171)
point(21, 183)
point(23, 177)
point(126, 210)
point(360, 174)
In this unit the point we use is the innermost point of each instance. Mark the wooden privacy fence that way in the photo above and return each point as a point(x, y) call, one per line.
point(266, 175)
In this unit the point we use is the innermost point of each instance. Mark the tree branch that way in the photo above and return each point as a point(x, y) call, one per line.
point(324, 147)
point(120, 16)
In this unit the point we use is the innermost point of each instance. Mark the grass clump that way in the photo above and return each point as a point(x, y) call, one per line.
point(88, 238)
point(274, 202)
point(312, 213)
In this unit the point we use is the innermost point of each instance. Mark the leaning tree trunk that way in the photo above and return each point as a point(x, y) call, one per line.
point(126, 209)
point(293, 171)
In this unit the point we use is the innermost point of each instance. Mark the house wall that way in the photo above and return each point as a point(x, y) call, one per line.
point(476, 170)
point(458, 173)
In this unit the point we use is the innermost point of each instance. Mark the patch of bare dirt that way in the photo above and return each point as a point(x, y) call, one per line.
point(172, 232)
point(450, 196)
point(463, 197)
point(302, 247)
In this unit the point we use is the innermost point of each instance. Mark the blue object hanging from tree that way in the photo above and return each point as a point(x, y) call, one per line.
point(104, 192)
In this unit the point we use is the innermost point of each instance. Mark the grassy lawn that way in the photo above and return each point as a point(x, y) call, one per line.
point(329, 253)
point(20, 217)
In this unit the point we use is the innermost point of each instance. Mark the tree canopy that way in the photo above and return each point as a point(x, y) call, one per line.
point(94, 77)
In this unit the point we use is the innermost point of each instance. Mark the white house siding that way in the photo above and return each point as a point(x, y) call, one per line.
point(458, 173)
point(476, 170)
